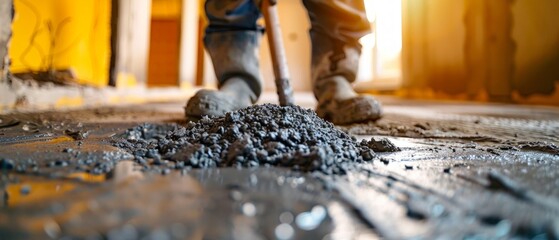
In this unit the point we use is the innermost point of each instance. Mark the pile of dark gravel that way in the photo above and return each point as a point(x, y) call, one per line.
point(260, 135)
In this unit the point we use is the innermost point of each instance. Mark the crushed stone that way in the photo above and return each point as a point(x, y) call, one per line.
point(260, 135)
point(382, 145)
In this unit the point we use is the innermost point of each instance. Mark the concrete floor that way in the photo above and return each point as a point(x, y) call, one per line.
point(465, 171)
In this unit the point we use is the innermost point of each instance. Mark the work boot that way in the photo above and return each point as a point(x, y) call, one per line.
point(334, 68)
point(233, 95)
point(235, 60)
point(341, 105)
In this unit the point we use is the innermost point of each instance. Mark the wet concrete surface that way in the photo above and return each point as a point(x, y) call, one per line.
point(456, 171)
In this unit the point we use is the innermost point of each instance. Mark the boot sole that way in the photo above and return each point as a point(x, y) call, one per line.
point(355, 110)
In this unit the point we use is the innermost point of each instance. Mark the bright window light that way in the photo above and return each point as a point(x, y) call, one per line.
point(382, 48)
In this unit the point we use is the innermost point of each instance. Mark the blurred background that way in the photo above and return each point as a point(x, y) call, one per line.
point(130, 50)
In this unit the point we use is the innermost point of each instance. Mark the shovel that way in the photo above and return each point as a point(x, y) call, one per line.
point(277, 51)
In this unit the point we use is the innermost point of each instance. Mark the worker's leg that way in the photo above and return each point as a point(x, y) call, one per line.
point(336, 26)
point(232, 40)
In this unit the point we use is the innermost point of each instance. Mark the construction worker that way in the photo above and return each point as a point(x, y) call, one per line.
point(233, 37)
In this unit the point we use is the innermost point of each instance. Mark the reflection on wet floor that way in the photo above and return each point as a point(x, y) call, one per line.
point(246, 204)
point(452, 175)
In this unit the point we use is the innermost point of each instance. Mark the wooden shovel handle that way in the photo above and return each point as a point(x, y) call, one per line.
point(277, 51)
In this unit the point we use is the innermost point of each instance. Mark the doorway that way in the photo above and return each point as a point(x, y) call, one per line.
point(164, 52)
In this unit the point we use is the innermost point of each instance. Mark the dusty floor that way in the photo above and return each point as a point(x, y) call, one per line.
point(464, 171)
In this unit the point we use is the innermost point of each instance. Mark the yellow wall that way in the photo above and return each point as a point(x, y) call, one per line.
point(81, 34)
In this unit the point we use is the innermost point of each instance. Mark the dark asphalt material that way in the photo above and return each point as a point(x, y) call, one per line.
point(76, 134)
point(382, 145)
point(261, 135)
